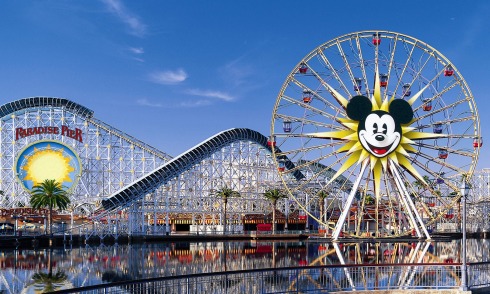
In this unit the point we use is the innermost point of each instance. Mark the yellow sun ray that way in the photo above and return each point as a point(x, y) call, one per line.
point(337, 96)
point(419, 135)
point(347, 164)
point(414, 98)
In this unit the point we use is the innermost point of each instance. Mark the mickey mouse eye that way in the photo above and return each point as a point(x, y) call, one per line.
point(384, 129)
point(375, 128)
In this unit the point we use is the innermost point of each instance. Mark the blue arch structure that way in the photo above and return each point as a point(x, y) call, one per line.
point(184, 162)
point(21, 104)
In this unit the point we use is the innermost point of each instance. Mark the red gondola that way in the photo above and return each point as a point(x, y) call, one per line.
point(303, 68)
point(443, 154)
point(383, 80)
point(449, 71)
point(282, 165)
point(307, 96)
point(427, 105)
point(376, 39)
point(477, 142)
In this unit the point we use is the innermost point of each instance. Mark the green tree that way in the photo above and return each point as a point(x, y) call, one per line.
point(49, 194)
point(273, 195)
point(369, 199)
point(224, 193)
point(322, 196)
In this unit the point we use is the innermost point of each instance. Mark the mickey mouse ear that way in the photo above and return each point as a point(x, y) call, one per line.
point(359, 107)
point(401, 111)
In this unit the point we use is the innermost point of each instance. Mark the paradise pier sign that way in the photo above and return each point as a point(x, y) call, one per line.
point(65, 131)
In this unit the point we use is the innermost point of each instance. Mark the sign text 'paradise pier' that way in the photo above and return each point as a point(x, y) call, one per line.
point(65, 131)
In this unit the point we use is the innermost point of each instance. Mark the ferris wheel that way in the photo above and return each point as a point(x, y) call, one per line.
point(383, 128)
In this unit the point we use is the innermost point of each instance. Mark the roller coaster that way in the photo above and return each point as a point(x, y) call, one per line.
point(128, 187)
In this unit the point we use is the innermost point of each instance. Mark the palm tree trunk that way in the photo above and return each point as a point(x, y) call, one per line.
point(224, 221)
point(322, 210)
point(50, 220)
point(274, 216)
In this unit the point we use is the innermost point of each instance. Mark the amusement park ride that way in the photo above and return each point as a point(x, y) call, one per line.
point(394, 118)
point(372, 133)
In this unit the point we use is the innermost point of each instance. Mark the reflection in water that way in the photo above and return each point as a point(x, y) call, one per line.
point(47, 282)
point(95, 265)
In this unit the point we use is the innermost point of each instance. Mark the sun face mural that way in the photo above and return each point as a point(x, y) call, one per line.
point(48, 160)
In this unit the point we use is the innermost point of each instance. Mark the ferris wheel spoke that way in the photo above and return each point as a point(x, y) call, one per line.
point(346, 63)
point(449, 106)
point(341, 100)
point(448, 149)
point(310, 108)
point(405, 66)
point(390, 66)
point(316, 93)
point(435, 174)
point(447, 122)
point(318, 174)
point(342, 187)
point(334, 72)
point(362, 65)
point(309, 148)
point(316, 123)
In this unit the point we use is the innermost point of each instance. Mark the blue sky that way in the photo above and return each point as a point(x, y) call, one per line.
point(173, 73)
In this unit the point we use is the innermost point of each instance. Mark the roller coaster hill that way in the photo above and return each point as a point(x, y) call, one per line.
point(120, 185)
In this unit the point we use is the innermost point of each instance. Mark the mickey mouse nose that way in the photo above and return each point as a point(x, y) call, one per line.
point(379, 137)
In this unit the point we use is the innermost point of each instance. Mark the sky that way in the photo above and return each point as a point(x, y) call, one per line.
point(174, 73)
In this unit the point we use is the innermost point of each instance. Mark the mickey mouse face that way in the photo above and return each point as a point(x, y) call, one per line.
point(379, 136)
point(379, 131)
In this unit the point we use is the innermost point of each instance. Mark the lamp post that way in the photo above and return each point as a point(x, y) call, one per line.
point(45, 225)
point(465, 188)
point(15, 218)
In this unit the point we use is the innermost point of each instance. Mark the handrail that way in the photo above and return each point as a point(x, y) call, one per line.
point(244, 272)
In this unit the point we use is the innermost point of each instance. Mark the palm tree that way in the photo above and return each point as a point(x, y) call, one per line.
point(273, 195)
point(224, 193)
point(49, 194)
point(322, 196)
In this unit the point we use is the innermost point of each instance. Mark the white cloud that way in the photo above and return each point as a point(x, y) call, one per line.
point(196, 103)
point(182, 104)
point(138, 50)
point(168, 77)
point(210, 94)
point(145, 102)
point(136, 27)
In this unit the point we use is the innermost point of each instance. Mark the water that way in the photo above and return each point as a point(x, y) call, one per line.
point(24, 271)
